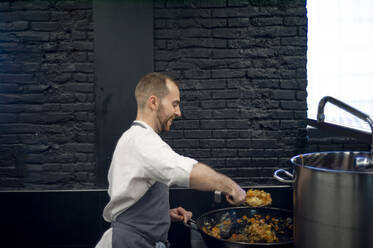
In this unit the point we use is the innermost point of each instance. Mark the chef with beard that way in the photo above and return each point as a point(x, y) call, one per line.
point(143, 168)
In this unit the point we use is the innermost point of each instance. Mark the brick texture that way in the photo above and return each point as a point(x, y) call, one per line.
point(241, 66)
point(47, 95)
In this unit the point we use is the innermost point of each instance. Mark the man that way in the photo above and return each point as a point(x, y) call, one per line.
point(144, 166)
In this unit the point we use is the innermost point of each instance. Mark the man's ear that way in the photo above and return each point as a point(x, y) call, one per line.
point(153, 103)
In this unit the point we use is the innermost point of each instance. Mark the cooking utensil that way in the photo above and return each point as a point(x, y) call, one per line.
point(333, 200)
point(219, 194)
point(332, 192)
point(213, 218)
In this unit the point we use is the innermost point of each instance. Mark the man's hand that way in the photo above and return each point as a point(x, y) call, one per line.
point(180, 214)
point(237, 196)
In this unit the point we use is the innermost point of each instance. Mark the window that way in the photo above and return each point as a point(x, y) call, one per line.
point(340, 58)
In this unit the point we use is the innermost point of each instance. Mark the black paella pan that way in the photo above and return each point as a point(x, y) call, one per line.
point(216, 218)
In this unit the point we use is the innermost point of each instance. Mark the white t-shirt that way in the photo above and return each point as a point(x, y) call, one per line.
point(140, 159)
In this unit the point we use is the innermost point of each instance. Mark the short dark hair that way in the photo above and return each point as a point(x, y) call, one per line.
point(153, 83)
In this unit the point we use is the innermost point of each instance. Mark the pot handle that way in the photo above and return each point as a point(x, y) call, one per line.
point(275, 175)
point(192, 224)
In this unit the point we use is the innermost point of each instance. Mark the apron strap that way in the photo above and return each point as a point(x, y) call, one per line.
point(138, 124)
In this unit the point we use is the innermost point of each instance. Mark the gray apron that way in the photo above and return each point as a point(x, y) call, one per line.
point(146, 223)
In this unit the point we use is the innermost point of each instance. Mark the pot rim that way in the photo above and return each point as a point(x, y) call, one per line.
point(292, 160)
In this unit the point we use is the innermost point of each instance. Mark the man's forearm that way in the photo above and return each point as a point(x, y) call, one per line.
point(205, 178)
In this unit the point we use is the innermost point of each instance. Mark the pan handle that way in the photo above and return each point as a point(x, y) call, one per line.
point(218, 196)
point(191, 224)
point(280, 179)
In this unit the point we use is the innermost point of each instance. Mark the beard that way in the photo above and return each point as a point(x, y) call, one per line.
point(164, 121)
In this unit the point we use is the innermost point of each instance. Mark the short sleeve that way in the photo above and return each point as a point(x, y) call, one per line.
point(161, 163)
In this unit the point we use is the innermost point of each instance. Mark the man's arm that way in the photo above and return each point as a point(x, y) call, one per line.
point(202, 177)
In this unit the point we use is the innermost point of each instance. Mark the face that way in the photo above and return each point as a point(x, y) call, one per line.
point(169, 108)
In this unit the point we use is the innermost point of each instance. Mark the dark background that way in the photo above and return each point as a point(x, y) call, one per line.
point(56, 219)
point(123, 54)
point(67, 74)
point(68, 70)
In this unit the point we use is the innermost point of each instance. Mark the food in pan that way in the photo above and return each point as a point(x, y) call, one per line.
point(258, 198)
point(261, 231)
point(256, 229)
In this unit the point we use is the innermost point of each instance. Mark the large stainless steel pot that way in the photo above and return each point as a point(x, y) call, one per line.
point(333, 200)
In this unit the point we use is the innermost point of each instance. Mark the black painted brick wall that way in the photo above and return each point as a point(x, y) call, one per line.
point(47, 101)
point(241, 66)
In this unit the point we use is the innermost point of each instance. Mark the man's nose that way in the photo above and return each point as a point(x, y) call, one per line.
point(178, 112)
